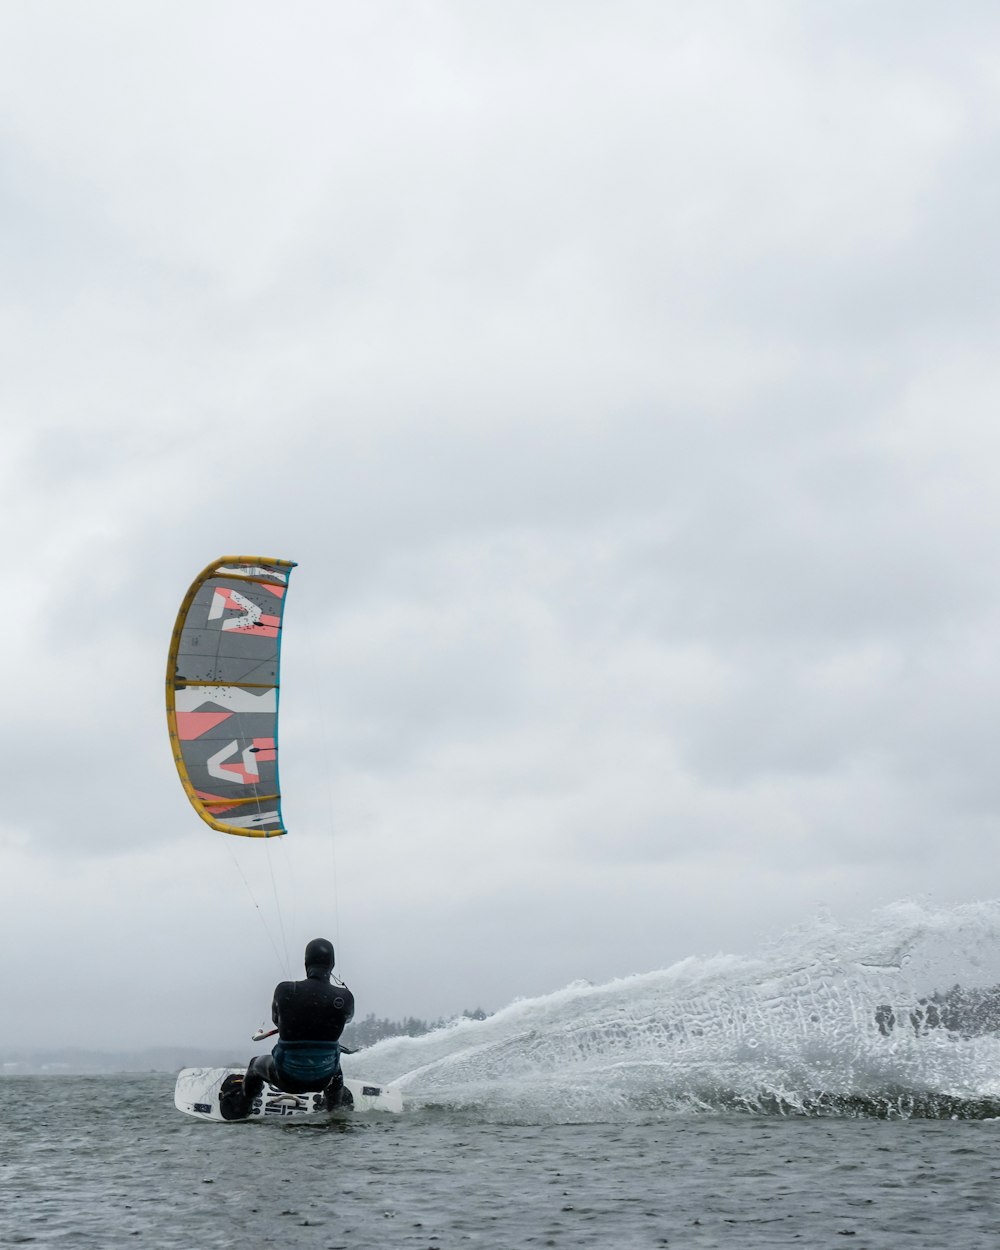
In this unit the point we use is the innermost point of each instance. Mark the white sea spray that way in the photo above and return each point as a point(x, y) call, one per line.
point(829, 1017)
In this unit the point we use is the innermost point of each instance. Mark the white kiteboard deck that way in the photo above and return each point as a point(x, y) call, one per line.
point(197, 1093)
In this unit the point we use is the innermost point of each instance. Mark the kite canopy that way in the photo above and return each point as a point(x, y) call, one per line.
point(222, 693)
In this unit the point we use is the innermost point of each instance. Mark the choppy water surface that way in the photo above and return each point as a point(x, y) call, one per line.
point(815, 1093)
point(107, 1162)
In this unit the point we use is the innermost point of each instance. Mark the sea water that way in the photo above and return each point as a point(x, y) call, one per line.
point(107, 1162)
point(724, 1102)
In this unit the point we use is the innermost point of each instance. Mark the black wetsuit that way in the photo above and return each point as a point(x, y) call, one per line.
point(310, 1015)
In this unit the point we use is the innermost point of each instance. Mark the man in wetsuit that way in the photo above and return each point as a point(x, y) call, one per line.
point(310, 1016)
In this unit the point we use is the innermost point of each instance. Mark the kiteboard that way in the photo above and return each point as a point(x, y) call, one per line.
point(197, 1093)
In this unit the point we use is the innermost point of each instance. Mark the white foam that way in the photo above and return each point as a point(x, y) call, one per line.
point(789, 1026)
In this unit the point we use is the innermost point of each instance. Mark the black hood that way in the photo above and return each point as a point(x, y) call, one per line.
point(319, 958)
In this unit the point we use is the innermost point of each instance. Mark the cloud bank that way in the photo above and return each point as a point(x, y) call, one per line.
point(624, 384)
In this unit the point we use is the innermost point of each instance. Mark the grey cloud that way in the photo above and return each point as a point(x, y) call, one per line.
point(624, 389)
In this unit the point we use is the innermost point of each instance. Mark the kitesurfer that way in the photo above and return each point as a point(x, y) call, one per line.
point(310, 1016)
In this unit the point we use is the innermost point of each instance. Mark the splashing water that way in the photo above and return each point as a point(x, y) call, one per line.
point(824, 1020)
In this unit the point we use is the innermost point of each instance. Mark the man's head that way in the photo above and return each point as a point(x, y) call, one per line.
point(319, 958)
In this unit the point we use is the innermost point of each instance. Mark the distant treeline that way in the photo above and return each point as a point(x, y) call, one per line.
point(967, 1012)
point(373, 1029)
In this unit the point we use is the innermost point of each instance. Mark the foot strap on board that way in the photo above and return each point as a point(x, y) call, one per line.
point(233, 1101)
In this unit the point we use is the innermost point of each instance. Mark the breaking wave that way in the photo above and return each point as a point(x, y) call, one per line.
point(896, 1017)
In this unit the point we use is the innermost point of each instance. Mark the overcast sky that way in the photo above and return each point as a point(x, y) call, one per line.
point(624, 379)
